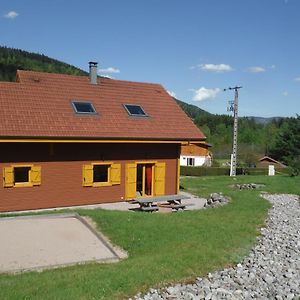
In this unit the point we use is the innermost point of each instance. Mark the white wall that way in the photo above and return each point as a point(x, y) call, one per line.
point(198, 160)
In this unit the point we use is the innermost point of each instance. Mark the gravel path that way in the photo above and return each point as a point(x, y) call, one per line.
point(271, 271)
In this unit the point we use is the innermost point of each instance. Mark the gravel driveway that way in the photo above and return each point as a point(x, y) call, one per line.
point(271, 271)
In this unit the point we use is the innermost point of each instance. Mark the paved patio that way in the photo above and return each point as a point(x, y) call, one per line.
point(41, 242)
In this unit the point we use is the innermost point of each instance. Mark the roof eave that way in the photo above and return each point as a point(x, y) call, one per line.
point(95, 140)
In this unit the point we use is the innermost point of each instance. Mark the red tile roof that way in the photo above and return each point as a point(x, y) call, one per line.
point(195, 150)
point(39, 106)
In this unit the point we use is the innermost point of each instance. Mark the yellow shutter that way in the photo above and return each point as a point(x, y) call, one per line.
point(159, 179)
point(130, 188)
point(178, 176)
point(35, 175)
point(115, 174)
point(87, 175)
point(8, 176)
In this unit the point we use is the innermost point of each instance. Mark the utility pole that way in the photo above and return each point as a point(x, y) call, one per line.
point(234, 107)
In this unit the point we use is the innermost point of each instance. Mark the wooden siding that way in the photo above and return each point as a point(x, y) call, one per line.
point(61, 172)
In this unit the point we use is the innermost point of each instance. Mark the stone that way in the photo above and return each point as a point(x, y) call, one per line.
point(269, 279)
point(290, 296)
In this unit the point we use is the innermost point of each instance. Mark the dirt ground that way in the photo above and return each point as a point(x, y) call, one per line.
point(39, 242)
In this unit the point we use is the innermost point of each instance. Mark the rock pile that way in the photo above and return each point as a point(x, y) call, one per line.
point(248, 186)
point(215, 200)
point(271, 271)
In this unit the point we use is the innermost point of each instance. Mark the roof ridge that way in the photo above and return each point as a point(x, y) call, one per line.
point(86, 76)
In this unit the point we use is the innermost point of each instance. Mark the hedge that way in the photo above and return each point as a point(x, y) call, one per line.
point(214, 171)
point(205, 171)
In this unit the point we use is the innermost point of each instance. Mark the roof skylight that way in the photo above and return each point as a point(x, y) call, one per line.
point(135, 110)
point(82, 107)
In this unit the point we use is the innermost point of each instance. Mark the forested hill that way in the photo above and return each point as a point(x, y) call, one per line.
point(192, 111)
point(13, 59)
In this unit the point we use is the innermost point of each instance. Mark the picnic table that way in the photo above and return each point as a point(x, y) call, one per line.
point(151, 204)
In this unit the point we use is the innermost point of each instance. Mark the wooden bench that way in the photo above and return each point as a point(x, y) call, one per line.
point(175, 206)
point(151, 204)
point(149, 208)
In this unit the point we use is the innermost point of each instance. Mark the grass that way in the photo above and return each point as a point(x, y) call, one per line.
point(163, 248)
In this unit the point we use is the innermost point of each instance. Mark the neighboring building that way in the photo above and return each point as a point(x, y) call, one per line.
point(195, 155)
point(70, 140)
point(267, 161)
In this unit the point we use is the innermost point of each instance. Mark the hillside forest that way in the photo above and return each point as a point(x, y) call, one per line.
point(277, 137)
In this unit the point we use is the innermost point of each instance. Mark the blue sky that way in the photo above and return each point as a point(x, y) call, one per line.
point(194, 48)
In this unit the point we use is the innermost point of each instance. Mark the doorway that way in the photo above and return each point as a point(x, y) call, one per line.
point(144, 180)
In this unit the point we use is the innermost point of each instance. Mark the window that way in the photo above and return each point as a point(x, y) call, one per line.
point(21, 176)
point(101, 174)
point(84, 108)
point(190, 161)
point(135, 110)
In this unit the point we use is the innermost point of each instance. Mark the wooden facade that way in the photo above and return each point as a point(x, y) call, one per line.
point(62, 173)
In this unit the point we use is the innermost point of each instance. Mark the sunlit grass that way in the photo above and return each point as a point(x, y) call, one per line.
point(162, 248)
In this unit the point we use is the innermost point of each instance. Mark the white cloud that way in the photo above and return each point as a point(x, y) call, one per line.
point(285, 93)
point(221, 68)
point(256, 69)
point(172, 94)
point(11, 15)
point(272, 67)
point(204, 93)
point(297, 79)
point(109, 70)
point(107, 76)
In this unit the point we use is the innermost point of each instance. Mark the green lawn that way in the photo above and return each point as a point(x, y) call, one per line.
point(163, 248)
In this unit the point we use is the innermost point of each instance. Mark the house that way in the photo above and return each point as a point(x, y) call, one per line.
point(78, 140)
point(196, 155)
point(267, 161)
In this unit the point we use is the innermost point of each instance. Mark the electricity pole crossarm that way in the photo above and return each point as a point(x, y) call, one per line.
point(235, 130)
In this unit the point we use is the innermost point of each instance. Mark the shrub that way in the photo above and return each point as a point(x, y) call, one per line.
point(206, 171)
point(212, 171)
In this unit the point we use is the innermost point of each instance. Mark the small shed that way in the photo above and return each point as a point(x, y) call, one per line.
point(267, 161)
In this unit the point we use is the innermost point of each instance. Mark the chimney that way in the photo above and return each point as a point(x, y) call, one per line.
point(93, 72)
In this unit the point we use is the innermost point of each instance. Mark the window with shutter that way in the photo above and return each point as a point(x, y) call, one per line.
point(101, 174)
point(21, 176)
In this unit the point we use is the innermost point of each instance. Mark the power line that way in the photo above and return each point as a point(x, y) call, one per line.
point(234, 107)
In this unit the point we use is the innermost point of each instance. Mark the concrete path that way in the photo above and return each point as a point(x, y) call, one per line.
point(39, 242)
point(192, 204)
